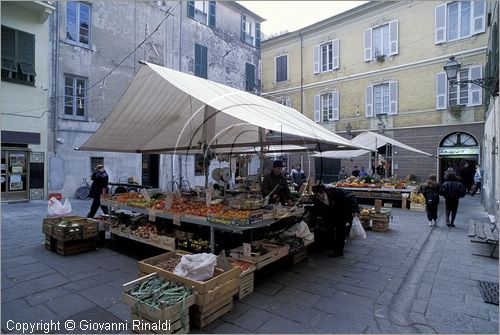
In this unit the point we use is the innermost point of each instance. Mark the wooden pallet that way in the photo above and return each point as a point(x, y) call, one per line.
point(67, 248)
point(417, 207)
point(246, 285)
point(380, 225)
point(145, 326)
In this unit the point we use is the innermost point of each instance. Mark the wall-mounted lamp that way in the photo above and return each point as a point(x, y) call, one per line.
point(453, 67)
point(348, 129)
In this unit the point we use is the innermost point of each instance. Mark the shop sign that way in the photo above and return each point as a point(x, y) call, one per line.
point(457, 151)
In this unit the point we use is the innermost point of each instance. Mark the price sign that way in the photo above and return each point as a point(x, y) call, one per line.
point(145, 194)
point(169, 198)
point(247, 249)
point(208, 198)
point(152, 216)
point(177, 220)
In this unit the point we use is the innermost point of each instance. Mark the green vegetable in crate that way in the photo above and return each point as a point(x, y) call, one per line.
point(156, 292)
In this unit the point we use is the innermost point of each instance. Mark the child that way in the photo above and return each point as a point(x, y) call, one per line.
point(431, 190)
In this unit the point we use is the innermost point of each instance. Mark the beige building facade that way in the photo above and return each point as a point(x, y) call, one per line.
point(24, 95)
point(379, 67)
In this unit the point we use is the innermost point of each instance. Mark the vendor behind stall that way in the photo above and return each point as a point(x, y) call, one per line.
point(275, 185)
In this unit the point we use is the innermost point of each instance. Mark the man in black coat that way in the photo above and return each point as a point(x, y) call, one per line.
point(275, 185)
point(452, 190)
point(99, 186)
point(337, 208)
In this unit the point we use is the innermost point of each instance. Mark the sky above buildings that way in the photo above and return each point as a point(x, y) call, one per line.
point(293, 15)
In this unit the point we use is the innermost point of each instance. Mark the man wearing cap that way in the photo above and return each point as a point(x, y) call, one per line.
point(275, 185)
point(99, 186)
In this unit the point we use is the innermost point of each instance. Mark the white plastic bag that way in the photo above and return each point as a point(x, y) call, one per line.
point(300, 230)
point(56, 208)
point(357, 230)
point(196, 267)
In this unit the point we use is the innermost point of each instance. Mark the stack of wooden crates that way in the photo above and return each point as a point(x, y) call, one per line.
point(70, 240)
point(214, 297)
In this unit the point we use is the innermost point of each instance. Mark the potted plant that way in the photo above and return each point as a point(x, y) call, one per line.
point(456, 110)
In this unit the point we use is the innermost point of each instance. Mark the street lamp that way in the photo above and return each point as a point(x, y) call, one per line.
point(348, 129)
point(453, 67)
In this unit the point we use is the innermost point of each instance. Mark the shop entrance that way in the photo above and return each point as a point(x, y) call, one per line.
point(15, 174)
point(150, 170)
point(459, 151)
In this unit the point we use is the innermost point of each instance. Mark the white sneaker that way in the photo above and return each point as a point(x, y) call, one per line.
point(430, 223)
point(435, 223)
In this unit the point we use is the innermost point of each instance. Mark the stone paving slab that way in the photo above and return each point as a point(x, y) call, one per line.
point(429, 272)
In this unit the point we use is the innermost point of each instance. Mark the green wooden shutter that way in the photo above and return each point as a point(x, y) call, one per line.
point(197, 60)
point(243, 20)
point(257, 35)
point(249, 77)
point(9, 49)
point(211, 13)
point(204, 62)
point(26, 52)
point(190, 11)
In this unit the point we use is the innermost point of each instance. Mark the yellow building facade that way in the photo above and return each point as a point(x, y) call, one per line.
point(379, 67)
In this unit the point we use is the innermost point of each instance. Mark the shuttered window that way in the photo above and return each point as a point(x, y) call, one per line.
point(202, 11)
point(75, 96)
point(381, 99)
point(326, 107)
point(281, 68)
point(459, 19)
point(326, 56)
point(250, 77)
point(250, 31)
point(463, 94)
point(200, 61)
point(78, 16)
point(18, 56)
point(381, 41)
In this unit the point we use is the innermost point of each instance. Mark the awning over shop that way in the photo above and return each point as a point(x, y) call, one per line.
point(372, 141)
point(164, 110)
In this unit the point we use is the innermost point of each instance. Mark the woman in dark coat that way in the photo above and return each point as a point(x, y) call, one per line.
point(99, 186)
point(452, 190)
point(431, 190)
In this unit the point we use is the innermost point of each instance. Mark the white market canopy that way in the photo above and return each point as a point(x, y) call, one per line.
point(372, 141)
point(164, 110)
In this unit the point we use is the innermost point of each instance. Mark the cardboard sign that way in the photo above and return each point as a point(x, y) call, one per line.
point(208, 198)
point(145, 194)
point(247, 249)
point(152, 216)
point(169, 198)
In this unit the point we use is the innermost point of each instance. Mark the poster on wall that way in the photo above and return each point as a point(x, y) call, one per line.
point(17, 160)
point(15, 182)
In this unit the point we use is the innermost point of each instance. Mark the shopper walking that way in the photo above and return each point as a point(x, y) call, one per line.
point(337, 208)
point(431, 190)
point(452, 190)
point(99, 186)
point(477, 181)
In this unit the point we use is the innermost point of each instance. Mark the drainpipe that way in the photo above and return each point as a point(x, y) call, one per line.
point(180, 36)
point(301, 76)
point(55, 77)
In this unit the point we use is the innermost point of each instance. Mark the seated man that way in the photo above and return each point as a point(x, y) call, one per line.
point(275, 185)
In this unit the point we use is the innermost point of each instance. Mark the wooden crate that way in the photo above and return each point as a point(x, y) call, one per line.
point(201, 287)
point(166, 313)
point(299, 256)
point(417, 207)
point(67, 248)
point(50, 222)
point(365, 221)
point(89, 227)
point(151, 327)
point(201, 320)
point(50, 243)
point(380, 225)
point(246, 285)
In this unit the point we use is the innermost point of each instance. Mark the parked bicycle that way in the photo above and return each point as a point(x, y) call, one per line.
point(83, 191)
point(179, 184)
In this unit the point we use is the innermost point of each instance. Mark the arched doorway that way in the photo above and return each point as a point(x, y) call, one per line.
point(460, 151)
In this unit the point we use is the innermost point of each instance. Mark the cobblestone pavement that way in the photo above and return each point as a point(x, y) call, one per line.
point(410, 279)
